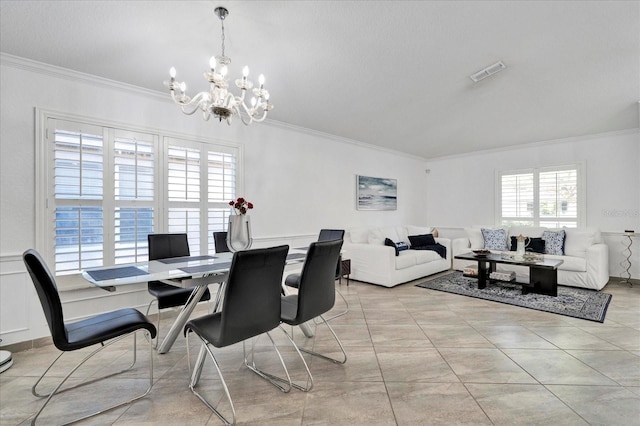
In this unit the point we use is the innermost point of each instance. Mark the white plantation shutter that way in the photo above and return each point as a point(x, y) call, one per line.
point(221, 190)
point(558, 198)
point(134, 177)
point(518, 198)
point(78, 216)
point(550, 197)
point(201, 180)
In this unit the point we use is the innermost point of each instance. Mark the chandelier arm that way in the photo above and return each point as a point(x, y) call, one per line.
point(190, 107)
point(251, 114)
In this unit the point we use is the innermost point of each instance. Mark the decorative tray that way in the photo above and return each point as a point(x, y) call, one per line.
point(481, 253)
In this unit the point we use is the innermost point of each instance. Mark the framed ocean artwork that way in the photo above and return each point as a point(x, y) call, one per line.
point(374, 193)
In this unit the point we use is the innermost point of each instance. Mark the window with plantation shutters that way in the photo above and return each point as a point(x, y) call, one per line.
point(103, 188)
point(134, 161)
point(201, 180)
point(551, 197)
point(77, 196)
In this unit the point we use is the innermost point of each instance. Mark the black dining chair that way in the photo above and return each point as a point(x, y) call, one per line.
point(103, 329)
point(316, 296)
point(220, 242)
point(250, 307)
point(293, 280)
point(167, 246)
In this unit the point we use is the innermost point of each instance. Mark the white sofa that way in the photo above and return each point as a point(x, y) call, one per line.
point(585, 262)
point(375, 263)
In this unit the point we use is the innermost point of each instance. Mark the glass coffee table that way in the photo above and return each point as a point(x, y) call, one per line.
point(543, 273)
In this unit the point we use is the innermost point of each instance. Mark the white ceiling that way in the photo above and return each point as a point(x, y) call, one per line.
point(388, 73)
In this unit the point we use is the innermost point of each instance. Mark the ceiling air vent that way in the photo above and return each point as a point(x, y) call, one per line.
point(488, 71)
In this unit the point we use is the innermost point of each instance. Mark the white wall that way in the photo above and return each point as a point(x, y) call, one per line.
point(299, 181)
point(466, 185)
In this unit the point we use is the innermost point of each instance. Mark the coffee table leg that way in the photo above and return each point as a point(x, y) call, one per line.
point(542, 281)
point(484, 270)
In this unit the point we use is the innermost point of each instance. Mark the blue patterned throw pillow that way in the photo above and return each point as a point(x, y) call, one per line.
point(494, 239)
point(553, 242)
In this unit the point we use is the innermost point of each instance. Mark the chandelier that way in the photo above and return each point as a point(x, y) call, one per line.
point(218, 100)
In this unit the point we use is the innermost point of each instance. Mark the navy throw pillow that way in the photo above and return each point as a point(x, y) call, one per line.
point(422, 240)
point(535, 245)
point(390, 243)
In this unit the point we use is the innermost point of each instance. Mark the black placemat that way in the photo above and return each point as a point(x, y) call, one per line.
point(184, 259)
point(206, 268)
point(110, 274)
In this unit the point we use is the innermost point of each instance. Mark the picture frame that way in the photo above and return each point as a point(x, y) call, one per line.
point(375, 193)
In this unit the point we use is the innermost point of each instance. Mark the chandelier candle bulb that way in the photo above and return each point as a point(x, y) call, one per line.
point(212, 63)
point(172, 73)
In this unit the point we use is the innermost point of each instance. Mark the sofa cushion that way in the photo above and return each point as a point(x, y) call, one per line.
point(494, 239)
point(417, 230)
point(475, 238)
point(405, 259)
point(577, 241)
point(359, 235)
point(553, 242)
point(426, 256)
point(390, 233)
point(527, 231)
point(376, 237)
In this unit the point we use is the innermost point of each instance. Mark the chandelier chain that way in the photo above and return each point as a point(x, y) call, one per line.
point(222, 22)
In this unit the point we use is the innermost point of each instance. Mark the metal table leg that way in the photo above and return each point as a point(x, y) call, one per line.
point(181, 320)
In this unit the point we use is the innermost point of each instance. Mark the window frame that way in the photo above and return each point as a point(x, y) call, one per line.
point(579, 167)
point(44, 174)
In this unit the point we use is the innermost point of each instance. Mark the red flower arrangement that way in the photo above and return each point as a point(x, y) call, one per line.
point(241, 205)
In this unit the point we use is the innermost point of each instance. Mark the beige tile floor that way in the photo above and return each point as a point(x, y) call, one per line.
point(416, 357)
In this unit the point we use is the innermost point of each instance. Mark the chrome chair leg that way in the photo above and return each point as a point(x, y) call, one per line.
point(56, 390)
point(339, 314)
point(155, 341)
point(195, 377)
point(304, 362)
point(324, 356)
point(273, 379)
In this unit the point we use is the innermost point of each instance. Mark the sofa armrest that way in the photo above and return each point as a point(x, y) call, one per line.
point(597, 258)
point(371, 258)
point(460, 245)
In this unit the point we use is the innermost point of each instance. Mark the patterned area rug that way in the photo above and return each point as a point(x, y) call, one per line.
point(571, 301)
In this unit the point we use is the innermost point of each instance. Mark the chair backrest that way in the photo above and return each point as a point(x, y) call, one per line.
point(165, 246)
point(251, 302)
point(47, 291)
point(220, 242)
point(331, 234)
point(316, 291)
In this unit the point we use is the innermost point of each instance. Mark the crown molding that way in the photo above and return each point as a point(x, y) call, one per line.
point(569, 139)
point(76, 76)
point(317, 133)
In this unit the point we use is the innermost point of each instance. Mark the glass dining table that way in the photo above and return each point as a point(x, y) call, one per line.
point(195, 272)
